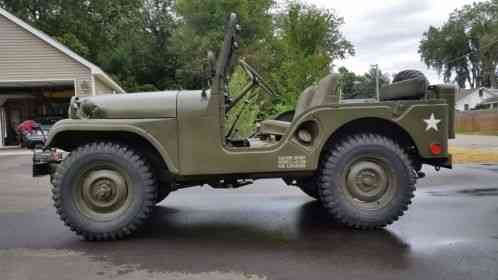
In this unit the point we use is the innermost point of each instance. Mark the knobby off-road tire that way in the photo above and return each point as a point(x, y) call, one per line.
point(309, 186)
point(366, 181)
point(104, 191)
point(409, 75)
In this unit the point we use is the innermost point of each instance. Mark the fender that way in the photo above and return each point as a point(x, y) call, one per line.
point(332, 119)
point(159, 133)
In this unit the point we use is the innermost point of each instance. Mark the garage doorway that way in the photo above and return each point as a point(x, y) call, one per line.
point(42, 102)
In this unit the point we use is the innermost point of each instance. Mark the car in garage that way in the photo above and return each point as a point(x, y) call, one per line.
point(33, 133)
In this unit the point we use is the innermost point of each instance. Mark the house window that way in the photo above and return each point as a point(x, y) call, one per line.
point(466, 107)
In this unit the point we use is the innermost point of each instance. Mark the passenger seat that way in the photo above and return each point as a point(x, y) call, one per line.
point(324, 93)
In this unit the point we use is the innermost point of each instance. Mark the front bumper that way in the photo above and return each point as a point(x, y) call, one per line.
point(44, 162)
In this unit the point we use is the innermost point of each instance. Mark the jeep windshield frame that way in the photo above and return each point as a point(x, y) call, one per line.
point(226, 56)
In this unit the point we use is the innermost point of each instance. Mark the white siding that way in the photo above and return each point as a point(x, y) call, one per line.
point(101, 88)
point(472, 100)
point(25, 57)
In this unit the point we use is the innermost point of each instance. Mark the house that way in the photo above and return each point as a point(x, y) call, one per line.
point(470, 99)
point(38, 76)
point(489, 104)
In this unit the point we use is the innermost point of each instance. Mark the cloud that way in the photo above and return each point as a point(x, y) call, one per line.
point(388, 32)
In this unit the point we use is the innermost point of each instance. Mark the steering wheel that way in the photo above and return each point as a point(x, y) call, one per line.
point(256, 78)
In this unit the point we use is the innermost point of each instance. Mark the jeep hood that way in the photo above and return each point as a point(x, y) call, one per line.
point(150, 105)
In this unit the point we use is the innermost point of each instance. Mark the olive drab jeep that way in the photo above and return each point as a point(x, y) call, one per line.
point(359, 158)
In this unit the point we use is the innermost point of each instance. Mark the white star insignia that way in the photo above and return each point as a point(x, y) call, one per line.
point(432, 123)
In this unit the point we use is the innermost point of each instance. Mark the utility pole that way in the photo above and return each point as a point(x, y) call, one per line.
point(377, 81)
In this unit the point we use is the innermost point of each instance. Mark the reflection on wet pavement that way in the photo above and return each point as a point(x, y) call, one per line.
point(273, 231)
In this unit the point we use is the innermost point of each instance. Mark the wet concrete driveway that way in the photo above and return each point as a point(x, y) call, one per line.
point(267, 231)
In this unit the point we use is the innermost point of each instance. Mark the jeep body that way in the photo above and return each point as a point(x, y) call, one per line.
point(182, 134)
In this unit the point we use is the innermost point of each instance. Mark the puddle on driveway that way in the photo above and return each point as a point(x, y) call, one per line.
point(480, 192)
point(469, 192)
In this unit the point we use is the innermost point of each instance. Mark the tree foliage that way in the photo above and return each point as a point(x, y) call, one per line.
point(364, 86)
point(162, 44)
point(465, 48)
point(306, 42)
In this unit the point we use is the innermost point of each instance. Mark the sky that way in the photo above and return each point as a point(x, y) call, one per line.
point(388, 32)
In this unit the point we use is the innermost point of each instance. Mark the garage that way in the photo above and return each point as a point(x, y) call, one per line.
point(39, 76)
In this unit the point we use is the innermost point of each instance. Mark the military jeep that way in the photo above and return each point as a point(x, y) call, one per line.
point(360, 159)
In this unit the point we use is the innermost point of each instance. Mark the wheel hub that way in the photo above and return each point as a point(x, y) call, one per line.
point(103, 192)
point(367, 181)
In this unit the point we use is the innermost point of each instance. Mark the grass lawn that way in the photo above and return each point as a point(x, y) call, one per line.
point(474, 155)
point(484, 133)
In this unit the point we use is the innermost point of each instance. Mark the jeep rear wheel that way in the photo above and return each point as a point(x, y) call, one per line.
point(104, 191)
point(366, 181)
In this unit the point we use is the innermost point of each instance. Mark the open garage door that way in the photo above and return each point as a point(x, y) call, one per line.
point(44, 102)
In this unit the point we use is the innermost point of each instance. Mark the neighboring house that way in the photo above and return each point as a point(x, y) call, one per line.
point(472, 99)
point(38, 76)
point(489, 104)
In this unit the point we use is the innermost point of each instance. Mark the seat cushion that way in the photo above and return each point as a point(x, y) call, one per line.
point(326, 92)
point(304, 101)
point(274, 127)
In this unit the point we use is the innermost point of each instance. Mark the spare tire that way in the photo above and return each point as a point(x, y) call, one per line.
point(407, 85)
point(409, 75)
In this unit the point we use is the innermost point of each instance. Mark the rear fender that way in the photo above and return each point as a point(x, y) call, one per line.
point(411, 122)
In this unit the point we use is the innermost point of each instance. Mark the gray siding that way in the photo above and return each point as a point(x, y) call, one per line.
point(25, 57)
point(101, 88)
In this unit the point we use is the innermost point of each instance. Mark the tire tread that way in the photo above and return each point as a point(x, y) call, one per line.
point(329, 161)
point(140, 163)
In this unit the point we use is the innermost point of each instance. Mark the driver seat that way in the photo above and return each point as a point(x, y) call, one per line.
point(324, 93)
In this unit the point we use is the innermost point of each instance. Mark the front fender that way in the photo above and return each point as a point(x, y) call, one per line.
point(159, 133)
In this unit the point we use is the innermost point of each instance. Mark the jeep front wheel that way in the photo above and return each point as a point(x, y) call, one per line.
point(104, 191)
point(366, 181)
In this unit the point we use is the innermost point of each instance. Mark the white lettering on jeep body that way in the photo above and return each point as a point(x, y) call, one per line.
point(291, 162)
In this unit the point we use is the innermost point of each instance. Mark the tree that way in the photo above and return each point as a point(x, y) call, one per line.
point(361, 86)
point(201, 29)
point(293, 47)
point(307, 41)
point(127, 38)
point(161, 44)
point(465, 48)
